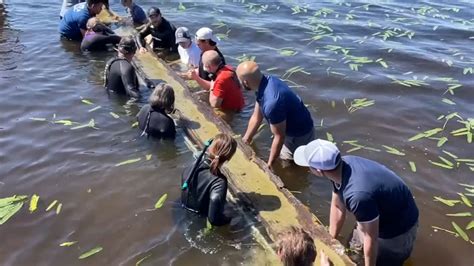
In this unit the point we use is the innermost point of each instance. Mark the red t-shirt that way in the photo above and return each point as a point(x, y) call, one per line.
point(227, 87)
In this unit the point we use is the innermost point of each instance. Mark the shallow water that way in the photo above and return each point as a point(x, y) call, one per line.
point(106, 206)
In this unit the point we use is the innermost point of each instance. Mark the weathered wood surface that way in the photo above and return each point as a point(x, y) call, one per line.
point(250, 179)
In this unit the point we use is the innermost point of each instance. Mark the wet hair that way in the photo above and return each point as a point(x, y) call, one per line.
point(222, 149)
point(162, 97)
point(212, 43)
point(92, 2)
point(127, 45)
point(296, 247)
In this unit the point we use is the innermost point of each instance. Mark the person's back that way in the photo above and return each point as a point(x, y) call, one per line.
point(227, 87)
point(386, 193)
point(206, 193)
point(68, 4)
point(279, 102)
point(73, 21)
point(138, 14)
point(98, 37)
point(156, 123)
point(121, 77)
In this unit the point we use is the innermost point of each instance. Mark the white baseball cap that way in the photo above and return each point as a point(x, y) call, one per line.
point(318, 154)
point(206, 34)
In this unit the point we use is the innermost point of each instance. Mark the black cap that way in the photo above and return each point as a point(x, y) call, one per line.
point(127, 45)
point(154, 11)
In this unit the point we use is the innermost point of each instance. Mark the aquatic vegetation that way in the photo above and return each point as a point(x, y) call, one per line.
point(181, 7)
point(86, 101)
point(468, 70)
point(10, 206)
point(357, 146)
point(148, 157)
point(58, 208)
point(223, 36)
point(409, 82)
point(33, 203)
point(91, 252)
point(245, 57)
point(256, 8)
point(67, 244)
point(426, 134)
point(392, 150)
point(460, 232)
point(161, 201)
point(129, 161)
point(95, 108)
point(287, 51)
point(142, 260)
point(358, 104)
point(459, 214)
point(412, 166)
point(448, 101)
point(91, 124)
point(114, 115)
point(51, 205)
point(293, 70)
point(299, 9)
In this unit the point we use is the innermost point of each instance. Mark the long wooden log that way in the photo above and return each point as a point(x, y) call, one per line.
point(249, 178)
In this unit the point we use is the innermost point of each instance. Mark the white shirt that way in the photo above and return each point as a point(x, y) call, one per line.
point(191, 55)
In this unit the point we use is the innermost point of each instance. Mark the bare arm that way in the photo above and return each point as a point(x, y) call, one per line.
point(214, 101)
point(254, 122)
point(337, 215)
point(278, 131)
point(370, 232)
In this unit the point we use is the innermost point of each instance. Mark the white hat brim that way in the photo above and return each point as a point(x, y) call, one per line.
point(299, 157)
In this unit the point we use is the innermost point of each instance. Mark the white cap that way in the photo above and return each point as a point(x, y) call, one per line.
point(206, 34)
point(318, 154)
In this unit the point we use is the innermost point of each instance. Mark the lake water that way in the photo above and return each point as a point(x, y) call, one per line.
point(402, 55)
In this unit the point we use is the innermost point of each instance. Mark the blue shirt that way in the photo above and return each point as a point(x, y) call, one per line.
point(138, 15)
point(279, 103)
point(370, 190)
point(74, 20)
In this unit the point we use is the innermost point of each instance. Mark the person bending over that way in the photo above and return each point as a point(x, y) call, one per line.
point(162, 32)
point(295, 247)
point(204, 186)
point(225, 92)
point(290, 121)
point(73, 25)
point(98, 36)
point(153, 118)
point(120, 75)
point(136, 12)
point(383, 206)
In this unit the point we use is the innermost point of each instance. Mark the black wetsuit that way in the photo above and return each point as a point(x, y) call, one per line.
point(99, 39)
point(121, 78)
point(204, 74)
point(155, 122)
point(163, 36)
point(205, 193)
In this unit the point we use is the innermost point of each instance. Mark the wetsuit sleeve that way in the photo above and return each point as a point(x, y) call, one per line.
point(217, 202)
point(129, 79)
point(142, 34)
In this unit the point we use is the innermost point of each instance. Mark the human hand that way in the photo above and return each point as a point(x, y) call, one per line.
point(143, 50)
point(194, 74)
point(186, 75)
point(324, 261)
point(247, 140)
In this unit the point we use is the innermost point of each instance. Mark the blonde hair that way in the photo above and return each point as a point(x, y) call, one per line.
point(295, 247)
point(222, 149)
point(162, 97)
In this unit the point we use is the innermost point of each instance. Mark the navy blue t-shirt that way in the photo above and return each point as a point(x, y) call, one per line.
point(138, 15)
point(370, 190)
point(279, 103)
point(74, 20)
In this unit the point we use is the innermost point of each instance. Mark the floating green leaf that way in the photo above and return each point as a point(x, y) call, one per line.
point(459, 214)
point(135, 124)
point(441, 165)
point(90, 252)
point(466, 185)
point(460, 232)
point(329, 137)
point(447, 202)
point(142, 260)
point(287, 52)
point(161, 201)
point(470, 225)
point(88, 102)
point(128, 161)
point(37, 119)
point(91, 124)
point(64, 122)
point(465, 200)
point(358, 104)
point(67, 244)
point(51, 205)
point(441, 141)
point(181, 7)
point(116, 116)
point(393, 150)
point(448, 101)
point(412, 166)
point(94, 109)
point(10, 206)
point(148, 157)
point(426, 134)
point(442, 229)
point(58, 209)
point(468, 70)
point(33, 203)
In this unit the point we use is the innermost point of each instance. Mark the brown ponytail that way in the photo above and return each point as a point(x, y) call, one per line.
point(222, 149)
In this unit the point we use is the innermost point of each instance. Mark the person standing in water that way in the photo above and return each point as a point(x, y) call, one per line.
point(188, 51)
point(120, 75)
point(204, 186)
point(73, 25)
point(136, 12)
point(153, 118)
